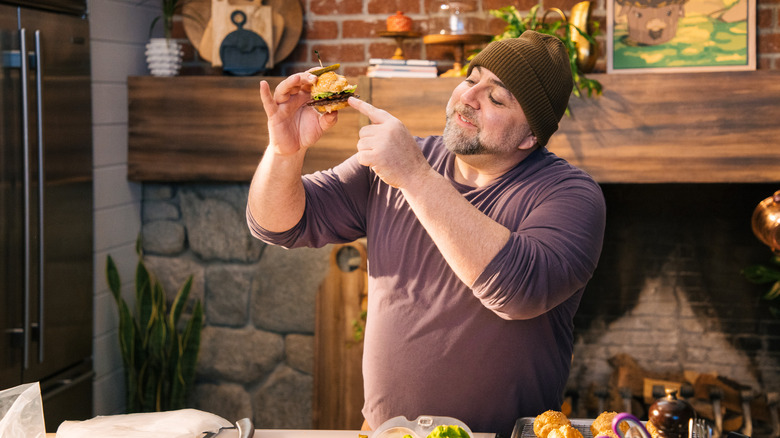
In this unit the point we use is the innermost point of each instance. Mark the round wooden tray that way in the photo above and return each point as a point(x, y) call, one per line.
point(468, 38)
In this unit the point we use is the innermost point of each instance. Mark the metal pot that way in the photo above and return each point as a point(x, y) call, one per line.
point(766, 221)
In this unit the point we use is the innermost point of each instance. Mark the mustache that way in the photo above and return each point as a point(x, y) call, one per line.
point(467, 112)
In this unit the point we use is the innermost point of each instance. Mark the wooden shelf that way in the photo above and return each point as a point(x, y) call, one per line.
point(645, 128)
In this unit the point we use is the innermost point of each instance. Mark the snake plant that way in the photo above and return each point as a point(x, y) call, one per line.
point(159, 349)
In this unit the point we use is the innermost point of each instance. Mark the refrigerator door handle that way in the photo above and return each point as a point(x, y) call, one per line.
point(41, 238)
point(65, 384)
point(26, 172)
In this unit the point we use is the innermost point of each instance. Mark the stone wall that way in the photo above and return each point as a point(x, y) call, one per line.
point(257, 345)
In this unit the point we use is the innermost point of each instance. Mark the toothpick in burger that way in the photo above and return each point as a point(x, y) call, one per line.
point(331, 91)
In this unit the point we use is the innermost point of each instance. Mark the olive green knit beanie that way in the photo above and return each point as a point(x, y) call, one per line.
point(535, 68)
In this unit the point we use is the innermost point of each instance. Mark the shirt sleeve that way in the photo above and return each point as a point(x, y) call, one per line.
point(549, 257)
point(335, 211)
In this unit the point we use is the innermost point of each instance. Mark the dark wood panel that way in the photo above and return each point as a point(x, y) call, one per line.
point(693, 127)
point(211, 128)
point(713, 127)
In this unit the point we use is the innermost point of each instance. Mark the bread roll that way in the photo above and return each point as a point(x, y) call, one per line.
point(545, 422)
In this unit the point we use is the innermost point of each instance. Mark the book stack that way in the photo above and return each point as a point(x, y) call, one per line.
point(401, 68)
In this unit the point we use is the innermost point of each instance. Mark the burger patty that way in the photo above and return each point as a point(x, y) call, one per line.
point(333, 98)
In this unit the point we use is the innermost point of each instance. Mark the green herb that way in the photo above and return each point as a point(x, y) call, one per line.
point(448, 432)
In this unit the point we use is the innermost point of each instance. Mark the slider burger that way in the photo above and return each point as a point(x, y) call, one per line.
point(331, 91)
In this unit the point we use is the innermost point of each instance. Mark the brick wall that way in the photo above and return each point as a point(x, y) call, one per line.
point(346, 31)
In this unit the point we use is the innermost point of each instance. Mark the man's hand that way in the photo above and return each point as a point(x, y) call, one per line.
point(293, 126)
point(387, 147)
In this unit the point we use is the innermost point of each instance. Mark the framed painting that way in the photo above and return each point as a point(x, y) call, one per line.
point(663, 36)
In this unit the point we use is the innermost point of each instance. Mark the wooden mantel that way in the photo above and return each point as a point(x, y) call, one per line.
point(645, 128)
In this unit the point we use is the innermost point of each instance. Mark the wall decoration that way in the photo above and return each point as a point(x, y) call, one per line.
point(680, 35)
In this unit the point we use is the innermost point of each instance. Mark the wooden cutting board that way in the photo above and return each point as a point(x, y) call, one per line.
point(338, 378)
point(259, 19)
point(287, 27)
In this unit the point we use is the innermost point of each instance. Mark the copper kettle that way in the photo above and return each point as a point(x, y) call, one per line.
point(766, 221)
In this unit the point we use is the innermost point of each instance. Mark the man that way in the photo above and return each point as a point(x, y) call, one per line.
point(480, 242)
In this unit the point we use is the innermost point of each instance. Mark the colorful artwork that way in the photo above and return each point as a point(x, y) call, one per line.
point(680, 35)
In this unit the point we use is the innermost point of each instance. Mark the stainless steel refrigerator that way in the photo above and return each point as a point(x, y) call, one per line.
point(46, 277)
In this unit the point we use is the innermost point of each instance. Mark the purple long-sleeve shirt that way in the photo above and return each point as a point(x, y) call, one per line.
point(488, 354)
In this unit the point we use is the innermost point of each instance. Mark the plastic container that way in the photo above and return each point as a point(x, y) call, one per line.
point(398, 427)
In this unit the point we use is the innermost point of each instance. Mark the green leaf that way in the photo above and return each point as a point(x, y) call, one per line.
point(143, 294)
point(180, 302)
point(774, 292)
point(112, 276)
point(191, 342)
point(760, 274)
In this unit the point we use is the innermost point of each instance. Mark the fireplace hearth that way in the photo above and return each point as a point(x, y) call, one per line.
point(668, 291)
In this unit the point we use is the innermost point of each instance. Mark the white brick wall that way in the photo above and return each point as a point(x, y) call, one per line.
point(119, 30)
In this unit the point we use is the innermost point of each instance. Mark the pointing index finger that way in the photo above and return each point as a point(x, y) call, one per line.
point(373, 113)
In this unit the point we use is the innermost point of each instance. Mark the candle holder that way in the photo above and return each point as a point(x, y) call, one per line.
point(459, 41)
point(399, 41)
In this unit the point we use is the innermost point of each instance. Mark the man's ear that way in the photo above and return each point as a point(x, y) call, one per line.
point(528, 142)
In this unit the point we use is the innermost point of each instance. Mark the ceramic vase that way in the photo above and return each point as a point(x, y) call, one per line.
point(163, 56)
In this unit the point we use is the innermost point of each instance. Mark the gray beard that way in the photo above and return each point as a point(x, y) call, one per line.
point(458, 143)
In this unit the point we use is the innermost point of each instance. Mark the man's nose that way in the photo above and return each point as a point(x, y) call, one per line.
point(470, 98)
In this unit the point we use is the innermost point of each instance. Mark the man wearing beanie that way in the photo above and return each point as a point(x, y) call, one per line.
point(480, 241)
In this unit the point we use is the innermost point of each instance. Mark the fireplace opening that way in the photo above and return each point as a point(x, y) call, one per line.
point(669, 297)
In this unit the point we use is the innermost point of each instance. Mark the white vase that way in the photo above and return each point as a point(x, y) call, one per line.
point(163, 56)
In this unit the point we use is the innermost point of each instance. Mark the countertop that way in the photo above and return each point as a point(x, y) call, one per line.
point(298, 433)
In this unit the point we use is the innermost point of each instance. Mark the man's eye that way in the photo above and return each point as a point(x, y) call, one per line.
point(495, 102)
point(469, 81)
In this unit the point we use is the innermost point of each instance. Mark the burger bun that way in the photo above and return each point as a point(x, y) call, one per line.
point(331, 106)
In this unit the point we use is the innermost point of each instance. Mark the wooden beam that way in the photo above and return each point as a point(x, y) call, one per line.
point(645, 128)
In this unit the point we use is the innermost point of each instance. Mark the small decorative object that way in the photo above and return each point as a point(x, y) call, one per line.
point(159, 351)
point(453, 18)
point(671, 415)
point(399, 23)
point(399, 41)
point(766, 221)
point(243, 52)
point(766, 226)
point(163, 57)
point(456, 23)
point(459, 41)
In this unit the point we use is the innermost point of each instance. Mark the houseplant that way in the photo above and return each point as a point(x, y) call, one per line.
point(169, 8)
point(164, 55)
point(767, 274)
point(159, 349)
point(566, 31)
